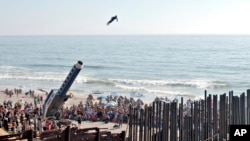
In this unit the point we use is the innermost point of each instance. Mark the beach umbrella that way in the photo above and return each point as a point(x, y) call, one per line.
point(102, 97)
point(112, 103)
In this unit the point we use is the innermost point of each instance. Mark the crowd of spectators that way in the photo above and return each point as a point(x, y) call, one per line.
point(20, 115)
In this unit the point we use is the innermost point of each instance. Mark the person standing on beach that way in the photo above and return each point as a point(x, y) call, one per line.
point(120, 119)
point(1, 119)
point(40, 125)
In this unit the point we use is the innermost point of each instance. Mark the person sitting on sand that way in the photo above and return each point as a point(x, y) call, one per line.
point(106, 118)
point(93, 117)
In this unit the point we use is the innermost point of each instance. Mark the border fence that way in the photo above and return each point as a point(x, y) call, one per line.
point(202, 120)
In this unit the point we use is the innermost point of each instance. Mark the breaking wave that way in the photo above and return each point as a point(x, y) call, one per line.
point(195, 83)
point(40, 76)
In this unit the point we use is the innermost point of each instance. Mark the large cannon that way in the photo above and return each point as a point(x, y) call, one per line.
point(56, 98)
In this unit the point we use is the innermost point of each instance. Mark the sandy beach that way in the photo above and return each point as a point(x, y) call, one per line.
point(75, 100)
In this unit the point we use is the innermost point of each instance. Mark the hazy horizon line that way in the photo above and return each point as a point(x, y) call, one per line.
point(125, 35)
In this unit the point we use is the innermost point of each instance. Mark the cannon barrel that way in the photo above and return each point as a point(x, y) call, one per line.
point(56, 98)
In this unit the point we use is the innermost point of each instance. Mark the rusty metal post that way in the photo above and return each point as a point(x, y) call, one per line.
point(30, 135)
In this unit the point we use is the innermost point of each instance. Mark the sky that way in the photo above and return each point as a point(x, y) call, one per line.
point(89, 17)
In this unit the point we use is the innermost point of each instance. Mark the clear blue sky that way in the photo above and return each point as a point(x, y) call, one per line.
point(84, 17)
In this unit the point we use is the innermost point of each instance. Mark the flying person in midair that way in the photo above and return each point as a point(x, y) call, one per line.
point(112, 19)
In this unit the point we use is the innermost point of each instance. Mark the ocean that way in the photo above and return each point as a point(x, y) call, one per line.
point(153, 65)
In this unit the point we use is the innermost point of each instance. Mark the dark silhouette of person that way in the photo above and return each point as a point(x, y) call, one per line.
point(112, 19)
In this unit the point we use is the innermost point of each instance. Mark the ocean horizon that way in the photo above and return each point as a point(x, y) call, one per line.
point(154, 65)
